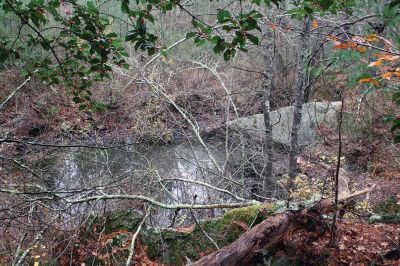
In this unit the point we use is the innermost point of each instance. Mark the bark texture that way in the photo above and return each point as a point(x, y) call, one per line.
point(268, 147)
point(299, 101)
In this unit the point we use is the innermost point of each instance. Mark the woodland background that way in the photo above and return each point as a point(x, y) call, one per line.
point(99, 103)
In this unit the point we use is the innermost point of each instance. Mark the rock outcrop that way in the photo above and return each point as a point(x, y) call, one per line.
point(313, 115)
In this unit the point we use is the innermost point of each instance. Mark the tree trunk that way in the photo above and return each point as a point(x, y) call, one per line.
point(268, 147)
point(299, 101)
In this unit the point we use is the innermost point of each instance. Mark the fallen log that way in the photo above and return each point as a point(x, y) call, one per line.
point(269, 232)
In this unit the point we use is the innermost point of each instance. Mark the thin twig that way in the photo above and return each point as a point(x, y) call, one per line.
point(21, 240)
point(206, 185)
point(50, 145)
point(132, 246)
point(16, 91)
point(201, 228)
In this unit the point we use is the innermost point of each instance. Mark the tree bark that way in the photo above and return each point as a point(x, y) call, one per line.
point(298, 106)
point(268, 147)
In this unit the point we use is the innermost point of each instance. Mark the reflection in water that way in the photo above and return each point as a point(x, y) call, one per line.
point(141, 170)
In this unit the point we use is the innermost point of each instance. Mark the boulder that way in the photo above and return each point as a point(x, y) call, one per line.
point(313, 115)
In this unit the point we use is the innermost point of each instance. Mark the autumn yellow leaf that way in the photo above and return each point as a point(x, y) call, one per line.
point(345, 45)
point(371, 38)
point(369, 80)
point(330, 37)
point(341, 46)
point(362, 49)
point(351, 44)
point(388, 75)
point(376, 63)
point(314, 24)
point(379, 55)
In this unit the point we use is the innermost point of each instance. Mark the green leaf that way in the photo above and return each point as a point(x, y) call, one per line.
point(125, 6)
point(125, 66)
point(229, 54)
point(77, 100)
point(253, 38)
point(190, 34)
point(100, 106)
point(163, 52)
point(223, 16)
point(198, 41)
point(197, 24)
point(325, 4)
point(91, 6)
point(308, 10)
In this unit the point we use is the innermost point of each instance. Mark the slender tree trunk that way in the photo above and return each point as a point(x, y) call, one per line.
point(268, 147)
point(340, 121)
point(298, 105)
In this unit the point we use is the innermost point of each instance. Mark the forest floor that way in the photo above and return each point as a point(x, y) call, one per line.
point(356, 243)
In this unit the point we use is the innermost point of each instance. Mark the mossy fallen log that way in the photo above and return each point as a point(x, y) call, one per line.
point(250, 245)
point(173, 246)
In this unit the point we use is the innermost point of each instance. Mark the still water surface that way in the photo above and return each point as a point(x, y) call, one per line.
point(140, 170)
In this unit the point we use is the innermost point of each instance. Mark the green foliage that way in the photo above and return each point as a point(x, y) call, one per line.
point(89, 47)
point(79, 45)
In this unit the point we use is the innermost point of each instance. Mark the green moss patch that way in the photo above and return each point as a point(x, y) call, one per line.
point(167, 245)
